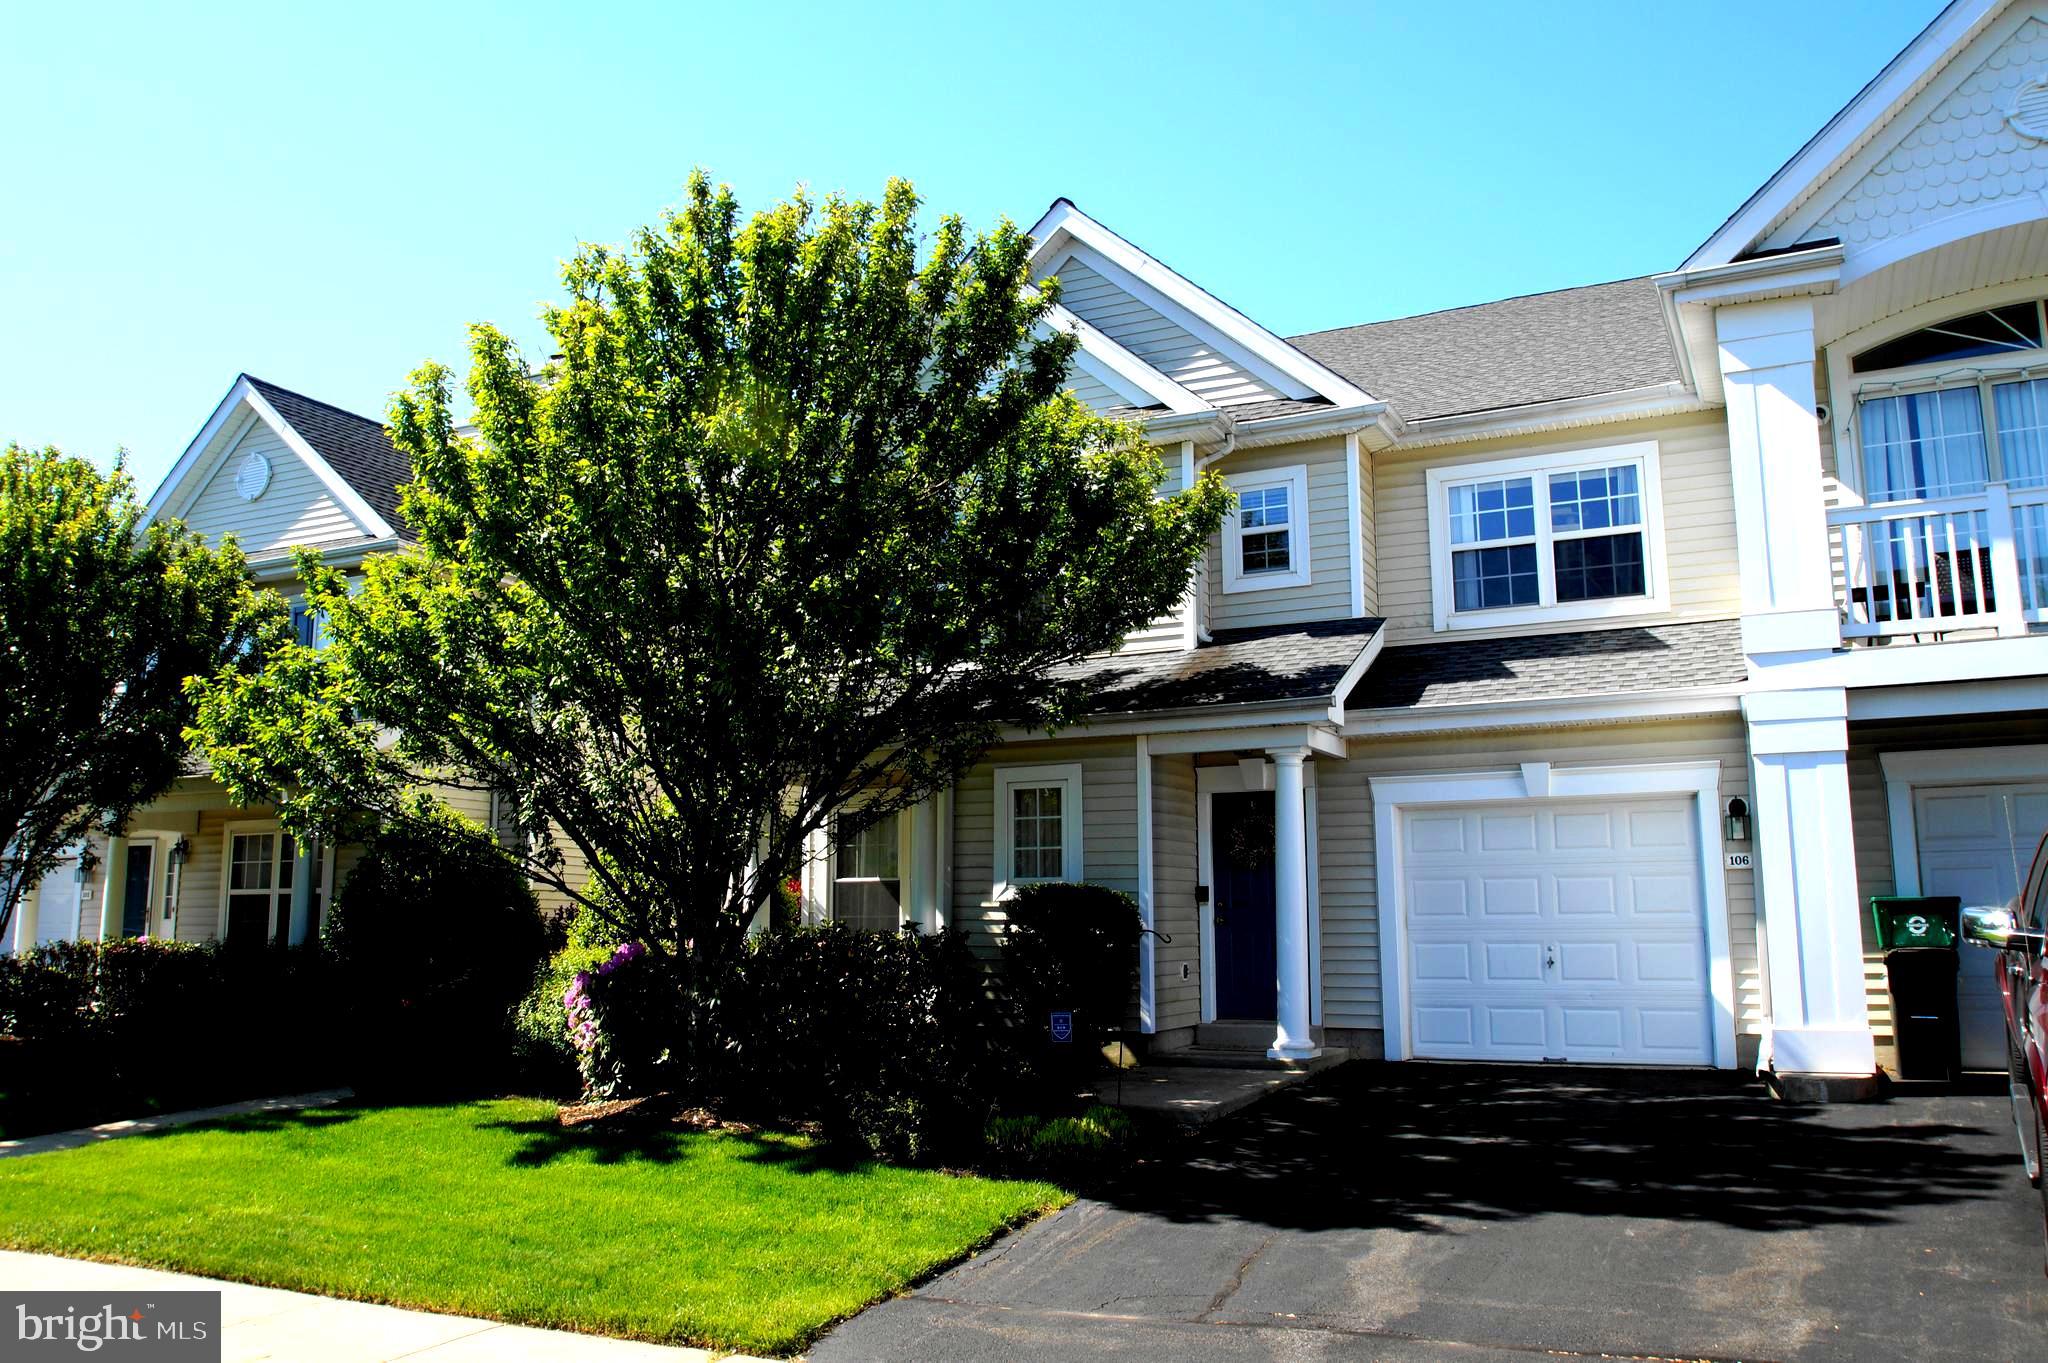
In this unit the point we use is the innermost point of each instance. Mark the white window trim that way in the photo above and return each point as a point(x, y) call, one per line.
point(831, 880)
point(1007, 779)
point(256, 828)
point(1394, 796)
point(1656, 598)
point(1294, 477)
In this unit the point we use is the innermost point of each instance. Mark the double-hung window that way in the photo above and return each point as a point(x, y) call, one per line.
point(867, 879)
point(1265, 542)
point(1546, 537)
point(1038, 825)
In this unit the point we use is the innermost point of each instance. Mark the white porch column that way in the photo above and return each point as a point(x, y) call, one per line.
point(1766, 355)
point(1292, 1039)
point(924, 865)
point(1806, 880)
point(304, 868)
point(113, 890)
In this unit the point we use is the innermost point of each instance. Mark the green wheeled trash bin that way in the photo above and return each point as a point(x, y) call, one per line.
point(1918, 938)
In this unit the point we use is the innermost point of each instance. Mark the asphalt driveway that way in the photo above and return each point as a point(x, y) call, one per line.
point(1486, 1214)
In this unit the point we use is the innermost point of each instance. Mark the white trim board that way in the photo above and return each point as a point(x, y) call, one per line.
point(1393, 795)
point(1907, 772)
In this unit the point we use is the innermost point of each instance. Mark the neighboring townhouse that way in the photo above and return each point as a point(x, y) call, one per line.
point(1576, 665)
point(278, 470)
point(1572, 669)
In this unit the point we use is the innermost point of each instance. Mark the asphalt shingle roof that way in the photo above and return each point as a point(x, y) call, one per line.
point(1535, 666)
point(1602, 338)
point(356, 446)
point(1240, 667)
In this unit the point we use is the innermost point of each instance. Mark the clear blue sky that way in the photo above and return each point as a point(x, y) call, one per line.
point(324, 195)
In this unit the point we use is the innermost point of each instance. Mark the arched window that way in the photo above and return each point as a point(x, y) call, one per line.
point(1944, 428)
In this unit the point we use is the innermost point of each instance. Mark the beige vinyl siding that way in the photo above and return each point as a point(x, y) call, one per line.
point(1345, 852)
point(1328, 593)
point(1093, 391)
point(1158, 341)
point(1109, 826)
point(1699, 521)
point(1169, 631)
point(1176, 1002)
point(296, 507)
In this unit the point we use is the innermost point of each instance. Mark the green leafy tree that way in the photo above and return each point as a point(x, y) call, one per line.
point(101, 622)
point(799, 513)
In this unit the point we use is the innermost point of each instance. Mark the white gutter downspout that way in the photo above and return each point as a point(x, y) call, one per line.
point(1148, 984)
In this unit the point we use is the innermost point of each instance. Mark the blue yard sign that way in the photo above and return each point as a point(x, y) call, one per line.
point(1062, 1027)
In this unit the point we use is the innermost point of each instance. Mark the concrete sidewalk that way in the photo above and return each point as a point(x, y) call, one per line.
point(295, 1327)
point(136, 1126)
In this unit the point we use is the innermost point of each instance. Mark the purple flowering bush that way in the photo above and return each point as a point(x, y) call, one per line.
point(622, 1019)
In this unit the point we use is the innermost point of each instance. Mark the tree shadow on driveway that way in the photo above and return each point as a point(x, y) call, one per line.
point(1412, 1146)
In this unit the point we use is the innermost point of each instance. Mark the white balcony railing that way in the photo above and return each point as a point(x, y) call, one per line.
point(1943, 564)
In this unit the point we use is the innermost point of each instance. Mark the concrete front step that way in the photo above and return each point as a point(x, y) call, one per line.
point(1235, 1036)
point(1244, 1058)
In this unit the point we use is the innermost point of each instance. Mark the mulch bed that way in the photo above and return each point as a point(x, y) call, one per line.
point(654, 1111)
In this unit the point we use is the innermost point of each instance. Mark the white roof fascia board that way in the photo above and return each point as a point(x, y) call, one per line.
point(1187, 719)
point(1878, 140)
point(1619, 707)
point(1282, 364)
point(1294, 426)
point(1899, 81)
point(1806, 273)
point(1121, 370)
point(340, 556)
point(223, 413)
point(373, 525)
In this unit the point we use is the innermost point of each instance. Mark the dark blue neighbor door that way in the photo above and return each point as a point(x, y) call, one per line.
point(135, 889)
point(1241, 859)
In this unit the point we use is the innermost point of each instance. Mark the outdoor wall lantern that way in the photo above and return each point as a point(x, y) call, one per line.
point(181, 849)
point(1738, 820)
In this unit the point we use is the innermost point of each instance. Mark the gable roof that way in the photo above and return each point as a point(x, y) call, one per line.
point(1065, 230)
point(1599, 338)
point(356, 447)
point(1857, 122)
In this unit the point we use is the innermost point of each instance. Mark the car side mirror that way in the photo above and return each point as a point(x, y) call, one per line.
point(1992, 926)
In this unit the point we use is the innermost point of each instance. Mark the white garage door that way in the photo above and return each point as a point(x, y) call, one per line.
point(1557, 931)
point(1975, 841)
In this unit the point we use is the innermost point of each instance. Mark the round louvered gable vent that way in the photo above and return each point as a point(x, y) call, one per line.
point(2029, 117)
point(253, 476)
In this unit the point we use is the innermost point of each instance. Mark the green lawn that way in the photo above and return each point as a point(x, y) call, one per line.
point(491, 1209)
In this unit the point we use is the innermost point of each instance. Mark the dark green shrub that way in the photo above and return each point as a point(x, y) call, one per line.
point(90, 1018)
point(435, 939)
point(1073, 947)
point(888, 1039)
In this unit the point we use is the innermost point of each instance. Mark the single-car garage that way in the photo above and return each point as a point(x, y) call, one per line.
point(1551, 924)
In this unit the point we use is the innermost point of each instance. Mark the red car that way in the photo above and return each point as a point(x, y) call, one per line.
point(2019, 930)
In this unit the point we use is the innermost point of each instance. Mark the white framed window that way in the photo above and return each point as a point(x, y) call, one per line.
point(1038, 825)
point(1942, 410)
point(1567, 536)
point(867, 875)
point(261, 862)
point(1265, 542)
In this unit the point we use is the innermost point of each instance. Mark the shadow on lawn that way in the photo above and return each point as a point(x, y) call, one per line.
point(1411, 1146)
point(261, 1123)
point(545, 1140)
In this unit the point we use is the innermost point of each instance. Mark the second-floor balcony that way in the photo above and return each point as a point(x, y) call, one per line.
point(1974, 563)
